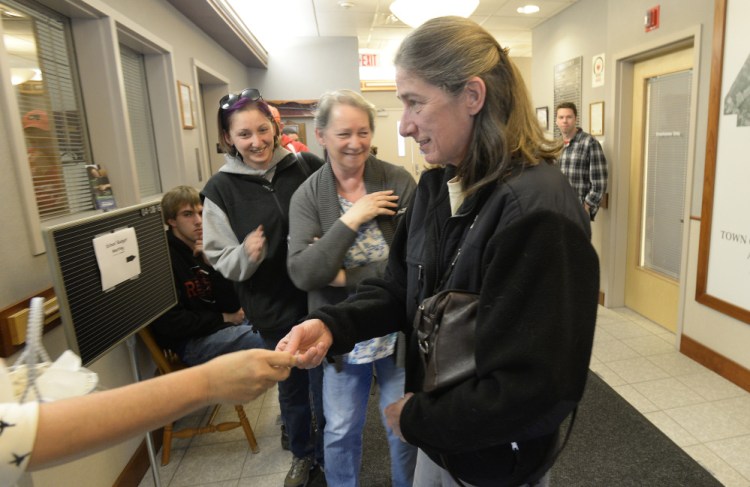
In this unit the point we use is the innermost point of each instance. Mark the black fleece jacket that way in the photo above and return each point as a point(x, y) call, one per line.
point(525, 247)
point(202, 296)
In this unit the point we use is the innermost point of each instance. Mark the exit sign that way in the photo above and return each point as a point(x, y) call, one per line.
point(367, 60)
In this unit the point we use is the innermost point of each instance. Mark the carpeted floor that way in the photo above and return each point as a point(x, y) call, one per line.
point(612, 444)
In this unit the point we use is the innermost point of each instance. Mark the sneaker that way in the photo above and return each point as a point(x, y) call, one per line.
point(284, 438)
point(299, 473)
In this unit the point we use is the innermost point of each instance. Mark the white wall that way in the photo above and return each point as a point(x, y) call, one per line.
point(616, 28)
point(525, 66)
point(580, 30)
point(306, 67)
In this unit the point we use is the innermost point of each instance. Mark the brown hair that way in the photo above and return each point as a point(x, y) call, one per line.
point(567, 104)
point(224, 118)
point(447, 52)
point(176, 198)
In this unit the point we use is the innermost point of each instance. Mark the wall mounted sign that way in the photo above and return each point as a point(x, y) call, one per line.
point(186, 105)
point(597, 70)
point(724, 251)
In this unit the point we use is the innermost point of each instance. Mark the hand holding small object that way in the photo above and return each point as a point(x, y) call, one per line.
point(308, 342)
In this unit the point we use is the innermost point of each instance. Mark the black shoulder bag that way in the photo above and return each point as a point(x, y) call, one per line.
point(445, 324)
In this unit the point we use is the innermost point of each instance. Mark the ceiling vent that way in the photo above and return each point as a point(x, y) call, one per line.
point(389, 21)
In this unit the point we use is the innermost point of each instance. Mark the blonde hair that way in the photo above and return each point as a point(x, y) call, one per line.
point(447, 52)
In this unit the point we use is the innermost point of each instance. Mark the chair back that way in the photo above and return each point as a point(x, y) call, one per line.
point(166, 360)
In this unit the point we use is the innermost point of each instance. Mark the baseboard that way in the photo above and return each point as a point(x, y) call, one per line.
point(730, 370)
point(139, 463)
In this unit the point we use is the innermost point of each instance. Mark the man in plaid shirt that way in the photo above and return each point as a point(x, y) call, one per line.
point(582, 159)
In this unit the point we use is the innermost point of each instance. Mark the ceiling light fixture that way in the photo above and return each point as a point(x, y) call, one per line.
point(20, 75)
point(416, 12)
point(346, 4)
point(528, 9)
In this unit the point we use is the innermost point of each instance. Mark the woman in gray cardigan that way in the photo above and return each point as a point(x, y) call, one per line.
point(341, 224)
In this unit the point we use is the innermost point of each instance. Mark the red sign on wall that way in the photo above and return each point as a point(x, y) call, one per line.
point(368, 60)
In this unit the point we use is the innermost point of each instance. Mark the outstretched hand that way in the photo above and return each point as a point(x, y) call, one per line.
point(240, 377)
point(308, 342)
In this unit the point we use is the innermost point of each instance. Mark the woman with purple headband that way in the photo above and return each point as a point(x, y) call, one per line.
point(245, 228)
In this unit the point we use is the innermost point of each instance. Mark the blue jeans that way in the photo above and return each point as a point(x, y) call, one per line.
point(226, 340)
point(345, 396)
point(301, 397)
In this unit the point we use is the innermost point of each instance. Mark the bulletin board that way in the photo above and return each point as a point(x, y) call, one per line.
point(98, 311)
point(723, 278)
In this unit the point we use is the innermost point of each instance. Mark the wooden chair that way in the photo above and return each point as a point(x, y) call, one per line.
point(167, 361)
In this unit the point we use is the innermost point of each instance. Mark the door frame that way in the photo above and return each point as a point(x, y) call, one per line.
point(210, 86)
point(621, 93)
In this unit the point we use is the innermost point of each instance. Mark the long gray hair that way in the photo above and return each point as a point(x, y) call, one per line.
point(447, 52)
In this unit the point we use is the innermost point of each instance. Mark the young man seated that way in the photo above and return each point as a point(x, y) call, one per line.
point(207, 320)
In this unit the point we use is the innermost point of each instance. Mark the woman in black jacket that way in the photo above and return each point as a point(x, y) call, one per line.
point(496, 218)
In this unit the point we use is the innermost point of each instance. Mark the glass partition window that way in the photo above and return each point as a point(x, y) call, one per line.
point(44, 79)
point(141, 123)
point(666, 157)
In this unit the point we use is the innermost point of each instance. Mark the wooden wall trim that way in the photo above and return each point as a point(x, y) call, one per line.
point(139, 463)
point(730, 370)
point(712, 135)
point(7, 347)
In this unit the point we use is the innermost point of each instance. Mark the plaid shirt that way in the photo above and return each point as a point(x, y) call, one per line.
point(582, 161)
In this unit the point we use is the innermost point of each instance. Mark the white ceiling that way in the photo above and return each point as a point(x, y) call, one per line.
point(371, 21)
point(272, 22)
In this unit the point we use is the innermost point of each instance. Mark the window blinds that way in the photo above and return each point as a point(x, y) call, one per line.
point(666, 152)
point(37, 41)
point(141, 123)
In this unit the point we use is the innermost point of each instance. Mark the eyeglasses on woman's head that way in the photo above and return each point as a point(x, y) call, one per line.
point(227, 101)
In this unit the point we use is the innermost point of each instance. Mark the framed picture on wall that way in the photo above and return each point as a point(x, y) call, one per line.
point(186, 105)
point(723, 276)
point(542, 114)
point(299, 128)
point(295, 108)
point(596, 118)
point(377, 85)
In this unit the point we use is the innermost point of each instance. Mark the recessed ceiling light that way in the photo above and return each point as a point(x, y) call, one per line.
point(528, 9)
point(345, 4)
point(415, 12)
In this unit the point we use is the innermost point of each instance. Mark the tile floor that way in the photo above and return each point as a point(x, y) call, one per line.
point(706, 415)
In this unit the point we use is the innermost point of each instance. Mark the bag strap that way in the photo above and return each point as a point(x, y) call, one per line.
point(303, 164)
point(452, 265)
point(551, 461)
point(539, 472)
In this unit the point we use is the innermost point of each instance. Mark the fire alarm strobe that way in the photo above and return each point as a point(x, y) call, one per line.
point(651, 19)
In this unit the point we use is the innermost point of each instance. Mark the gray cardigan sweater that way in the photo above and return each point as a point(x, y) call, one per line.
point(314, 212)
